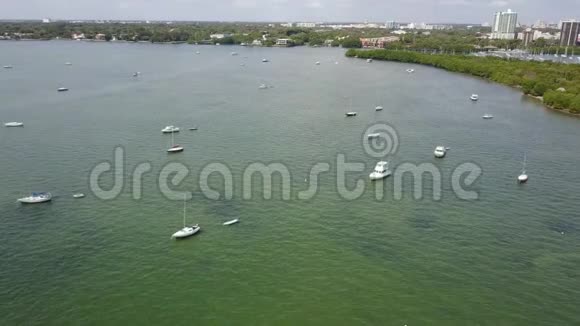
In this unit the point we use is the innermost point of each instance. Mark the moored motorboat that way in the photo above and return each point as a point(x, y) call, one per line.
point(234, 221)
point(410, 70)
point(369, 60)
point(36, 198)
point(375, 135)
point(440, 151)
point(265, 60)
point(381, 171)
point(350, 114)
point(79, 195)
point(474, 97)
point(487, 116)
point(378, 108)
point(8, 67)
point(14, 124)
point(169, 129)
point(62, 89)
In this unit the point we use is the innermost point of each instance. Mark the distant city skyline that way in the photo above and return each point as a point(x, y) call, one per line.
point(434, 11)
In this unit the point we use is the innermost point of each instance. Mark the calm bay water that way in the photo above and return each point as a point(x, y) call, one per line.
point(512, 257)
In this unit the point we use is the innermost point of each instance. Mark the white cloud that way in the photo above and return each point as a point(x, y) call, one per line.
point(245, 3)
point(314, 4)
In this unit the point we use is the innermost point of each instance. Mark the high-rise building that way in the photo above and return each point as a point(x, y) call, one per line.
point(504, 25)
point(392, 25)
point(528, 36)
point(570, 33)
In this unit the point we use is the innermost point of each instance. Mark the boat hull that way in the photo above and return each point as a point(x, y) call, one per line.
point(232, 222)
point(182, 234)
point(29, 200)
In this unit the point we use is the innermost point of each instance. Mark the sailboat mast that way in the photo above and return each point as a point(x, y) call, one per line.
point(184, 204)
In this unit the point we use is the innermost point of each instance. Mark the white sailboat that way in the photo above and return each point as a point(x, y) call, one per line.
point(186, 231)
point(174, 148)
point(36, 198)
point(523, 177)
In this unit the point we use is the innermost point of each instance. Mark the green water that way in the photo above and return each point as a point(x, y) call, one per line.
point(512, 257)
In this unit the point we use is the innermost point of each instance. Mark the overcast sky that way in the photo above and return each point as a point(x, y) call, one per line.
point(452, 11)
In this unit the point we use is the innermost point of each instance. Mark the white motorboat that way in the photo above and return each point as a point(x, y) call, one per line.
point(263, 86)
point(186, 231)
point(79, 195)
point(410, 70)
point(169, 129)
point(265, 60)
point(487, 116)
point(68, 64)
point(136, 74)
point(378, 108)
point(193, 128)
point(523, 177)
point(351, 114)
point(234, 221)
point(474, 97)
point(381, 171)
point(317, 63)
point(197, 52)
point(375, 135)
point(440, 151)
point(8, 67)
point(14, 124)
point(369, 60)
point(62, 89)
point(174, 148)
point(36, 198)
point(234, 53)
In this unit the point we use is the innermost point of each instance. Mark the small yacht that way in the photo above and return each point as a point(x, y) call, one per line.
point(317, 63)
point(68, 64)
point(14, 124)
point(351, 114)
point(79, 195)
point(523, 177)
point(62, 89)
point(36, 198)
point(375, 135)
point(193, 128)
point(439, 152)
point(263, 86)
point(474, 97)
point(234, 53)
point(136, 74)
point(169, 129)
point(381, 171)
point(186, 231)
point(265, 60)
point(410, 70)
point(369, 60)
point(8, 67)
point(234, 221)
point(487, 116)
point(197, 52)
point(378, 108)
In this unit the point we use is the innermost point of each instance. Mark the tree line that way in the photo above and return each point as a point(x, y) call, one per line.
point(556, 83)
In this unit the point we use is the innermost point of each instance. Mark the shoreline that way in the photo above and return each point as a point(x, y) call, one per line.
point(356, 54)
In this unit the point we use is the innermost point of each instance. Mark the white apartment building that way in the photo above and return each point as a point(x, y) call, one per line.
point(504, 25)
